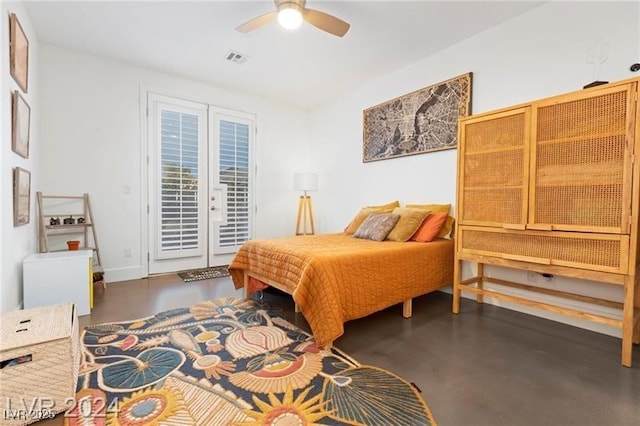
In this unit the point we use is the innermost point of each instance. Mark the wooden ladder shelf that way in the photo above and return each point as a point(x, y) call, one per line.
point(62, 207)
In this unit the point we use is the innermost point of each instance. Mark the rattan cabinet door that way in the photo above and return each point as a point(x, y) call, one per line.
point(581, 162)
point(591, 251)
point(494, 168)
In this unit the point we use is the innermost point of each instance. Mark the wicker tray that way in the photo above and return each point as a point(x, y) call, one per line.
point(39, 359)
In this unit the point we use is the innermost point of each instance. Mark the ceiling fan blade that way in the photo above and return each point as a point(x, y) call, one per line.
point(326, 22)
point(257, 22)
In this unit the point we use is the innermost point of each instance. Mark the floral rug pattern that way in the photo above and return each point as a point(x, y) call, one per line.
point(230, 361)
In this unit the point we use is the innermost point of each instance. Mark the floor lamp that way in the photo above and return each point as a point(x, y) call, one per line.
point(305, 182)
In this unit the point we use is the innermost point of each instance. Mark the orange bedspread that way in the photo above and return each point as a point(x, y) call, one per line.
point(335, 278)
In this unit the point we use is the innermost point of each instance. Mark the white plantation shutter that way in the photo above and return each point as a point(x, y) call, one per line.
point(179, 190)
point(234, 173)
point(178, 202)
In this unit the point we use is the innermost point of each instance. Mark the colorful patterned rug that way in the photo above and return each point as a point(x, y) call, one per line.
point(230, 361)
point(204, 273)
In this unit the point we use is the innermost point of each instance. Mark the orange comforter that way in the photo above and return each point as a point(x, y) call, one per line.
point(335, 278)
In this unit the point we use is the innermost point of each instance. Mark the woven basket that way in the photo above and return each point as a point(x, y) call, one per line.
point(39, 356)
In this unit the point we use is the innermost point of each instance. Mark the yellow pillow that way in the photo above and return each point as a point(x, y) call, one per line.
point(366, 211)
point(433, 208)
point(385, 208)
point(446, 228)
point(437, 208)
point(409, 222)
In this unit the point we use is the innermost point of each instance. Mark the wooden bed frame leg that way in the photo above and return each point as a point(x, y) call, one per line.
point(456, 287)
point(296, 308)
point(480, 285)
point(407, 308)
point(245, 279)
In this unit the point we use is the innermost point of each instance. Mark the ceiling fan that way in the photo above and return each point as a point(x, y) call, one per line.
point(291, 13)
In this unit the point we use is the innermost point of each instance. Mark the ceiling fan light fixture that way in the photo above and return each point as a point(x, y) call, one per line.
point(291, 13)
point(290, 16)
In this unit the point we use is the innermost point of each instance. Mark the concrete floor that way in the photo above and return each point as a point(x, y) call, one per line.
point(485, 366)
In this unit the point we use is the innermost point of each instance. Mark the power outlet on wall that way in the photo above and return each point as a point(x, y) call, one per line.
point(127, 252)
point(548, 278)
point(537, 278)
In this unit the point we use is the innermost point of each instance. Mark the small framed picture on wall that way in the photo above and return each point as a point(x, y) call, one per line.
point(21, 196)
point(20, 124)
point(18, 53)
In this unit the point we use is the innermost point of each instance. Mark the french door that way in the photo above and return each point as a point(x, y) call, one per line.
point(200, 183)
point(231, 175)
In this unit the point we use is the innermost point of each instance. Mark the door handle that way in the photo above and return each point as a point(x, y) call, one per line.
point(218, 204)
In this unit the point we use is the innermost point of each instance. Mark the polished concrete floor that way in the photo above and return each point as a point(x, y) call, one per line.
point(485, 366)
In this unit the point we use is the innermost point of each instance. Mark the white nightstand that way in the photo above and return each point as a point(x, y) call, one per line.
point(59, 277)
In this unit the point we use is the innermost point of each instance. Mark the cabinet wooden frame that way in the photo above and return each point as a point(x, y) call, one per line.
point(586, 221)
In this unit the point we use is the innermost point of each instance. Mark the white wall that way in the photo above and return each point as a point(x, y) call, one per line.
point(539, 54)
point(16, 242)
point(91, 113)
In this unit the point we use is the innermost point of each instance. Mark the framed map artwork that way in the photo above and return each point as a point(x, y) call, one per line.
point(422, 121)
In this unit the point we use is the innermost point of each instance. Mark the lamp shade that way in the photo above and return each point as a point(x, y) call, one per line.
point(305, 181)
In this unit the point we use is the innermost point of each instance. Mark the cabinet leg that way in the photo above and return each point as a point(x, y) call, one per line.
point(480, 285)
point(627, 321)
point(456, 286)
point(636, 332)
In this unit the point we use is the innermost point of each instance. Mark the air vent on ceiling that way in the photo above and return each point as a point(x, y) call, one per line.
point(237, 57)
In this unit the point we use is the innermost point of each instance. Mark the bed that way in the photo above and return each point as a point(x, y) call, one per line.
point(334, 278)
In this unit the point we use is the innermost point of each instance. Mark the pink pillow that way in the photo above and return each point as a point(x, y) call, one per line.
point(430, 227)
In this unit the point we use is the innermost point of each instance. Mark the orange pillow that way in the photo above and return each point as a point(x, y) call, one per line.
point(437, 208)
point(430, 227)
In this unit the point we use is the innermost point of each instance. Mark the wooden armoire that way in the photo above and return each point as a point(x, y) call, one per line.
point(553, 186)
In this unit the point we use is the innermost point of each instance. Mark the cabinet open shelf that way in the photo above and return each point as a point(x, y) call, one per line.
point(75, 225)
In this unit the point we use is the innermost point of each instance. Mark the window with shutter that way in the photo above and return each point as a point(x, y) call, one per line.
point(234, 173)
point(179, 224)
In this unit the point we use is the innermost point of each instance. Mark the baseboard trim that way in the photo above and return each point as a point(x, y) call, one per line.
point(123, 274)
